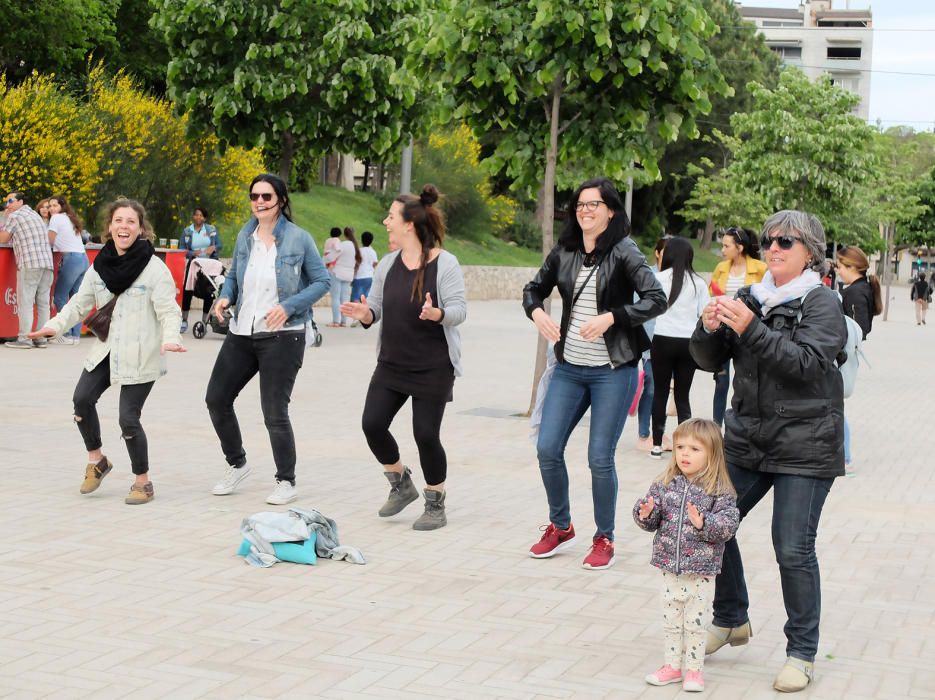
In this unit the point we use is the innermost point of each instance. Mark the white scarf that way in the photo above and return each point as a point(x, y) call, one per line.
point(770, 296)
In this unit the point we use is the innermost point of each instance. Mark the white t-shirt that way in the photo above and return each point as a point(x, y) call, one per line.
point(579, 351)
point(344, 264)
point(368, 258)
point(680, 319)
point(66, 238)
point(734, 283)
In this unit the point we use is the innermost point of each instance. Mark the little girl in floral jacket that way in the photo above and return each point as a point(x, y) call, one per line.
point(692, 508)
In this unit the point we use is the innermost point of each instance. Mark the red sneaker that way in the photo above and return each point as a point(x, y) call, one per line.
point(601, 555)
point(553, 541)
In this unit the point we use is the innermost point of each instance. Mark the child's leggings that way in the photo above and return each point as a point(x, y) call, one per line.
point(686, 607)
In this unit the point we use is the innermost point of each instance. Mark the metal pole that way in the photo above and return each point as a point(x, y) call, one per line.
point(628, 201)
point(405, 180)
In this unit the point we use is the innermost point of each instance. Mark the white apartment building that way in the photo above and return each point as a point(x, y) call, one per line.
point(819, 38)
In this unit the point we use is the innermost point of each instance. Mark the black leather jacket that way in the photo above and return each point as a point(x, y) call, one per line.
point(621, 273)
point(857, 299)
point(787, 413)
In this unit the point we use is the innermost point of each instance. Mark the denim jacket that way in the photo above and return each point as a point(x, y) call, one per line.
point(301, 278)
point(185, 243)
point(679, 547)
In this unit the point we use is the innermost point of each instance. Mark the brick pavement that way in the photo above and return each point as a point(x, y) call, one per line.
point(104, 600)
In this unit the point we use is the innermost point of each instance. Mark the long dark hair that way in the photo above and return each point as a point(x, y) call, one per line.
point(349, 235)
point(678, 255)
point(618, 227)
point(746, 240)
point(70, 213)
point(279, 187)
point(429, 226)
point(852, 256)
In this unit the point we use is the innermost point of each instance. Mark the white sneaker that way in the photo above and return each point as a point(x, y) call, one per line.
point(232, 477)
point(283, 493)
point(63, 340)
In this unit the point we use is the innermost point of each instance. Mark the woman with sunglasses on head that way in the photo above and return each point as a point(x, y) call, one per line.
point(418, 294)
point(785, 429)
point(597, 269)
point(740, 267)
point(862, 299)
point(275, 276)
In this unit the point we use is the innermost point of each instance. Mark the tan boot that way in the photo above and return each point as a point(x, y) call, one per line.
point(140, 494)
point(94, 474)
point(735, 636)
point(794, 676)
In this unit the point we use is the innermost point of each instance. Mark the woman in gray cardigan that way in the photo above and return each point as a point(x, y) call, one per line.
point(418, 293)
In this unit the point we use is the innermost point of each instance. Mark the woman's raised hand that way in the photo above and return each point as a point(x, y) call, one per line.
point(220, 306)
point(359, 311)
point(429, 312)
point(709, 315)
point(547, 327)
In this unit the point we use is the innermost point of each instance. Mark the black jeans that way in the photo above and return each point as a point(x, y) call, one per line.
point(278, 359)
point(91, 385)
point(382, 405)
point(671, 360)
point(797, 505)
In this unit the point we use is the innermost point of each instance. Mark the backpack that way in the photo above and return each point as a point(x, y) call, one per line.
point(848, 359)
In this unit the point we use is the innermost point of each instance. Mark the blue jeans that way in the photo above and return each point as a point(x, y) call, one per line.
point(797, 504)
point(340, 293)
point(361, 287)
point(721, 387)
point(70, 274)
point(609, 393)
point(645, 409)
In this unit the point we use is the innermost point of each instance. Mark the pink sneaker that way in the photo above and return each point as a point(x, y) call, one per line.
point(601, 555)
point(694, 682)
point(664, 676)
point(552, 542)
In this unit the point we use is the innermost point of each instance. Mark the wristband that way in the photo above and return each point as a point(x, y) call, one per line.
point(442, 316)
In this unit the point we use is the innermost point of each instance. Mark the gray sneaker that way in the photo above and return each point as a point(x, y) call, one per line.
point(20, 344)
point(434, 515)
point(402, 492)
point(41, 343)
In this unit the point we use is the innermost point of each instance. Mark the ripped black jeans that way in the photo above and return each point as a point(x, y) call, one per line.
point(132, 397)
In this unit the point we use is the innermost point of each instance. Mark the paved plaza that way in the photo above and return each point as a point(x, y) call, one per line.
point(105, 600)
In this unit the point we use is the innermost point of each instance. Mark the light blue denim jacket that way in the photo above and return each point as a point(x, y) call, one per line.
point(301, 278)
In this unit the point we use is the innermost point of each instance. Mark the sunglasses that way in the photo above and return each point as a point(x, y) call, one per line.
point(267, 196)
point(785, 242)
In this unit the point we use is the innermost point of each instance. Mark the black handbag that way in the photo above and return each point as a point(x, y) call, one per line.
point(99, 321)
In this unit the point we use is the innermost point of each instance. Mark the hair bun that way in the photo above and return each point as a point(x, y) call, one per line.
point(429, 195)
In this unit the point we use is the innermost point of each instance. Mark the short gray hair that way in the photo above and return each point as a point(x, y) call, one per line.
point(791, 222)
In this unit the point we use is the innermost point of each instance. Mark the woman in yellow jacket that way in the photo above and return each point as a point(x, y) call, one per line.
point(741, 267)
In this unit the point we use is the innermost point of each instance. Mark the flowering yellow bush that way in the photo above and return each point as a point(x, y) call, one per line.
point(115, 140)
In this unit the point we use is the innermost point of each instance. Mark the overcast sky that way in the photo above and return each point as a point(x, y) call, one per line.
point(896, 99)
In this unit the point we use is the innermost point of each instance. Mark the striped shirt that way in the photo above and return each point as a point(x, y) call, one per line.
point(30, 240)
point(734, 283)
point(578, 351)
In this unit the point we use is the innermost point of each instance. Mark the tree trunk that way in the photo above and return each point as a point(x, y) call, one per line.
point(285, 158)
point(887, 272)
point(363, 187)
point(708, 235)
point(346, 172)
point(547, 201)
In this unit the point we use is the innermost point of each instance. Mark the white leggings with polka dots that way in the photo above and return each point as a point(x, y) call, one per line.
point(686, 608)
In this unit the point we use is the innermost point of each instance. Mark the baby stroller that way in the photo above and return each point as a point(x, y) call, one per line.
point(206, 287)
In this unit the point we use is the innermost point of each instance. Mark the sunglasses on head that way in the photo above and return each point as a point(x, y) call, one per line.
point(267, 196)
point(785, 242)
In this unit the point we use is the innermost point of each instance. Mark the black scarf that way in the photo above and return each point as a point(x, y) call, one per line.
point(119, 271)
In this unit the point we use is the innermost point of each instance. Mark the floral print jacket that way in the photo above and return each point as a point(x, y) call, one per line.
point(679, 547)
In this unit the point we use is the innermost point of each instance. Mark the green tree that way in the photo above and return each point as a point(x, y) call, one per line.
point(743, 56)
point(315, 75)
point(799, 147)
point(921, 229)
point(574, 88)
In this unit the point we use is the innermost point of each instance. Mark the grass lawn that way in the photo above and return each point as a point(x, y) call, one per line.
point(323, 207)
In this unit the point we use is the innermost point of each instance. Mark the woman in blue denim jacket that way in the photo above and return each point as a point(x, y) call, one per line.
point(199, 240)
point(275, 276)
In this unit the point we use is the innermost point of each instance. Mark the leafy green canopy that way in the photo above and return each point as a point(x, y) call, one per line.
point(627, 75)
point(799, 147)
point(327, 73)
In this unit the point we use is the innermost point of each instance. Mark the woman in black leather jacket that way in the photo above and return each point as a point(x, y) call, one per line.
point(785, 429)
point(598, 344)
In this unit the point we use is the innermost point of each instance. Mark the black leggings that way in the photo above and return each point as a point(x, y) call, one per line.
point(382, 405)
point(671, 359)
point(91, 385)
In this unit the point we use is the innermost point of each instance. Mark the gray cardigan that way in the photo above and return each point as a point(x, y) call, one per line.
point(451, 298)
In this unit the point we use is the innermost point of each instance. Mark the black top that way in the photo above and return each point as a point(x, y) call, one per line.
point(413, 352)
point(858, 303)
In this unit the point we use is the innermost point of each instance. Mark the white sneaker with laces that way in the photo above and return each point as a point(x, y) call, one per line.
point(232, 477)
point(283, 493)
point(63, 340)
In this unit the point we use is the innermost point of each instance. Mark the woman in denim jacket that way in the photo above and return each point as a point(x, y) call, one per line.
point(275, 276)
point(199, 240)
